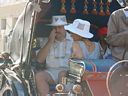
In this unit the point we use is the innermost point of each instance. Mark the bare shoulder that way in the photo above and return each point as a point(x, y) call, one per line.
point(76, 44)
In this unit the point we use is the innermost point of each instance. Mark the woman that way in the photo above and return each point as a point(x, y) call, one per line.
point(83, 48)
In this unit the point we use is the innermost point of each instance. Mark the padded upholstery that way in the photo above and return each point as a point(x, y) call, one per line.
point(99, 65)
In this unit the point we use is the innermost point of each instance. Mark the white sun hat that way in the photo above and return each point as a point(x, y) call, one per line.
point(58, 20)
point(80, 27)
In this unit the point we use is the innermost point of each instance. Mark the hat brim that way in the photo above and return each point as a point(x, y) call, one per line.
point(72, 29)
point(56, 24)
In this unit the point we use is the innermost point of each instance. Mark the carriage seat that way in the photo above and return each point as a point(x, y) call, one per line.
point(98, 65)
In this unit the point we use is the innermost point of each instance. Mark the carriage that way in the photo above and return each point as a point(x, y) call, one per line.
point(88, 77)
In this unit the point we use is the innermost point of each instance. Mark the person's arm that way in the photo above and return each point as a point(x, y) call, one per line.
point(119, 39)
point(114, 37)
point(42, 54)
point(76, 51)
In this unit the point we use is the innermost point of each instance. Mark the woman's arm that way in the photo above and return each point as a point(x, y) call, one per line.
point(76, 51)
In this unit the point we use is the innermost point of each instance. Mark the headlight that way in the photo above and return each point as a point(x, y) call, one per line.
point(77, 89)
point(59, 88)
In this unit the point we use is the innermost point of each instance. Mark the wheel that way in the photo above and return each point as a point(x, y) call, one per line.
point(117, 79)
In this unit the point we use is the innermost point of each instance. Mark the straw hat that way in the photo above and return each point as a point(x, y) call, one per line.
point(58, 20)
point(80, 27)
